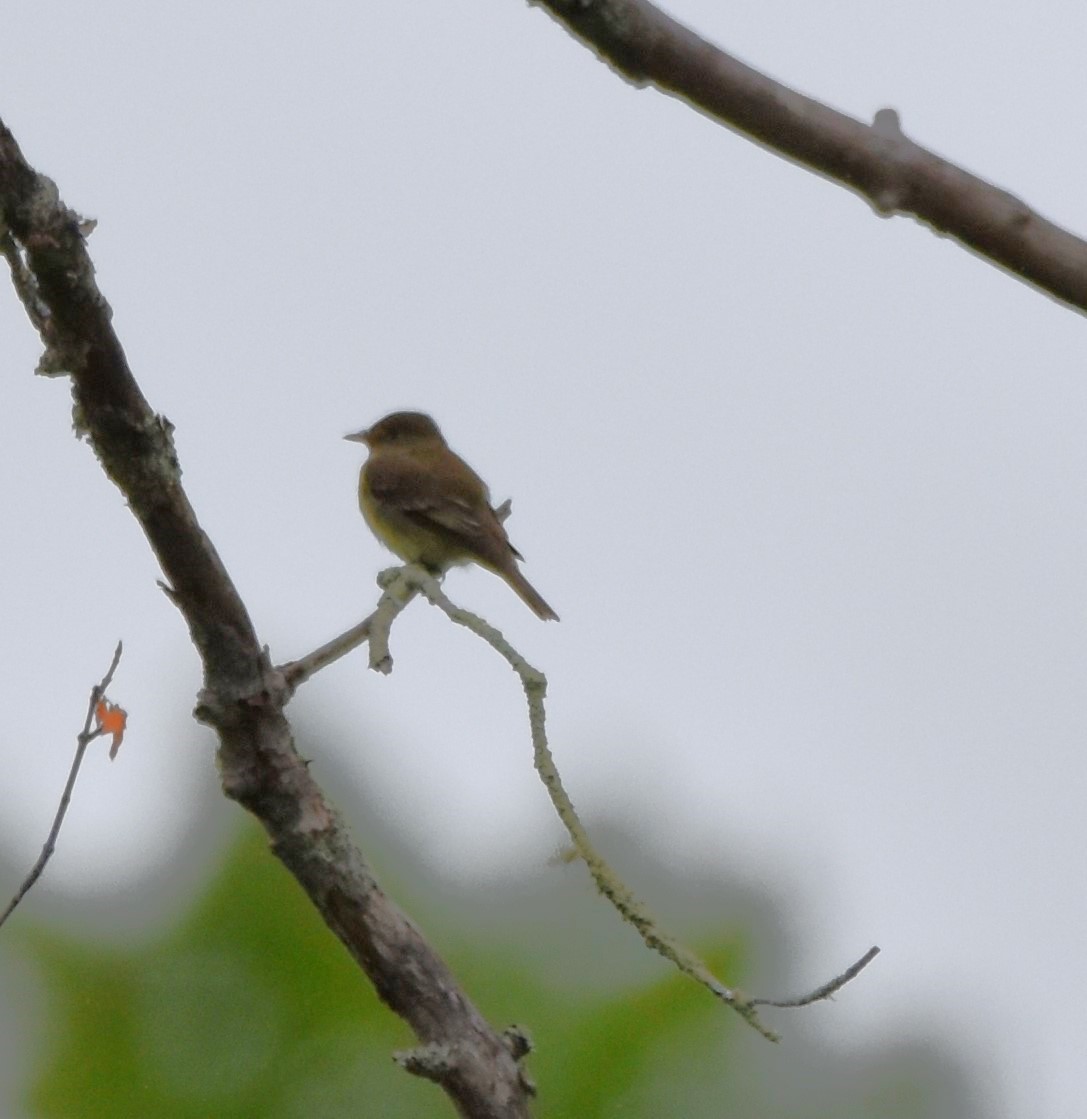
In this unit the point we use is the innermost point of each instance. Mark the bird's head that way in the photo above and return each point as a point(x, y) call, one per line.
point(399, 428)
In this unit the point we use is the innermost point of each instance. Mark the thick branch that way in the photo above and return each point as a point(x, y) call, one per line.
point(876, 161)
point(243, 696)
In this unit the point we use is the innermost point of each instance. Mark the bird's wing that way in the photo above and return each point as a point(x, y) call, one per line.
point(413, 490)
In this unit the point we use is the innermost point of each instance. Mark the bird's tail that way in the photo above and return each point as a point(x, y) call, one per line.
point(532, 597)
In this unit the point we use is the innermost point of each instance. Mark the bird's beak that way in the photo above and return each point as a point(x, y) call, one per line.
point(359, 437)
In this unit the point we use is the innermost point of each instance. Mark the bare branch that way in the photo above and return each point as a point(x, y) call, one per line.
point(299, 671)
point(876, 161)
point(401, 585)
point(85, 737)
point(827, 990)
point(243, 696)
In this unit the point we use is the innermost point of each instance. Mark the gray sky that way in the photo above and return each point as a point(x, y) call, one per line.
point(805, 485)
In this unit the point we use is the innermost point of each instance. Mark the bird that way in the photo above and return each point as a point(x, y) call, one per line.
point(428, 506)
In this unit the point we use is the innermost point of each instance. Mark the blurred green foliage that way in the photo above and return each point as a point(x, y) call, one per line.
point(251, 1008)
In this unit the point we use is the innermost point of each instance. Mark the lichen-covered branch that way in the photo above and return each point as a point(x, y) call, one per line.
point(400, 585)
point(877, 161)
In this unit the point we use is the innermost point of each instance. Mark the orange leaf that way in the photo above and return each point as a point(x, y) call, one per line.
point(111, 720)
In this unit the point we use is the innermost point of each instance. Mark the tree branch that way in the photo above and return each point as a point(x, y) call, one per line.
point(401, 584)
point(243, 696)
point(875, 161)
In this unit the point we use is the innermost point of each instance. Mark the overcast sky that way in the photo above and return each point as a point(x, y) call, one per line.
point(806, 486)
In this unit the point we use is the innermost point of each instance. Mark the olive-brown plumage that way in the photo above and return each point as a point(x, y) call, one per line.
point(430, 507)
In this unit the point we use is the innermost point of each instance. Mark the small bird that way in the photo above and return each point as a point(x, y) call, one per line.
point(430, 507)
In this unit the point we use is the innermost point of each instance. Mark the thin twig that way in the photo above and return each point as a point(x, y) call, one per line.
point(400, 586)
point(85, 737)
point(828, 990)
point(373, 628)
point(299, 671)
